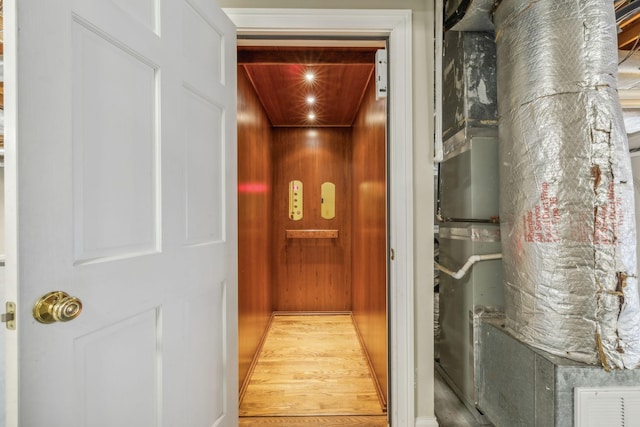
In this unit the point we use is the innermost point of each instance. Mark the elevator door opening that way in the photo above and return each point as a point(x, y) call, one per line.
point(312, 193)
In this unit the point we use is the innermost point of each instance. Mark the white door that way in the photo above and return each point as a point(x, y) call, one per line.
point(121, 176)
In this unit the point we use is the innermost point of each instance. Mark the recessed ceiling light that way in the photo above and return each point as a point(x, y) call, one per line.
point(311, 116)
point(309, 76)
point(311, 99)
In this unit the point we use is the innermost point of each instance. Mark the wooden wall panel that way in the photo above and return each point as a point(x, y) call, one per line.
point(254, 222)
point(369, 286)
point(312, 274)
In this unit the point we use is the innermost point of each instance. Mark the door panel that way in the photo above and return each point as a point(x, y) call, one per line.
point(207, 308)
point(127, 350)
point(114, 117)
point(144, 11)
point(203, 123)
point(202, 46)
point(121, 158)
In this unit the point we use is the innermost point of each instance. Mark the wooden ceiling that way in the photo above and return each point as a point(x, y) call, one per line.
point(628, 22)
point(278, 74)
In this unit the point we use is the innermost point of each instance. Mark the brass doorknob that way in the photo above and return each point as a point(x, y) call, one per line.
point(57, 306)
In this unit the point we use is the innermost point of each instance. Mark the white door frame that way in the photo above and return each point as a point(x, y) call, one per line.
point(396, 25)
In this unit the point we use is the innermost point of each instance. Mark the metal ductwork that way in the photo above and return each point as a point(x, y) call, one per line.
point(468, 206)
point(468, 15)
point(566, 196)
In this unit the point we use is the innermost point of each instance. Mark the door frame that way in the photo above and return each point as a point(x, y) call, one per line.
point(396, 25)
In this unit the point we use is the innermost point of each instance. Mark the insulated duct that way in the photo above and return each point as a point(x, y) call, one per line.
point(567, 209)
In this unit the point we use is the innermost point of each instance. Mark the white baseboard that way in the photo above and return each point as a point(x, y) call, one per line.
point(427, 422)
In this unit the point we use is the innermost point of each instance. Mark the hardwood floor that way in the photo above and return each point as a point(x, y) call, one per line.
point(310, 342)
point(335, 421)
point(311, 371)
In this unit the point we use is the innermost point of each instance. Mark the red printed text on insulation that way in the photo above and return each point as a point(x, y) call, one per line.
point(541, 222)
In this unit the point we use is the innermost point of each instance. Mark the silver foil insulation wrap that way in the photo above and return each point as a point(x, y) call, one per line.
point(566, 191)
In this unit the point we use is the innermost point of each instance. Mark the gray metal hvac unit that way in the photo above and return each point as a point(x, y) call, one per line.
point(525, 386)
point(468, 204)
point(463, 300)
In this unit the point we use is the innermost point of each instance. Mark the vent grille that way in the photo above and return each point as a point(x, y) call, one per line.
point(607, 406)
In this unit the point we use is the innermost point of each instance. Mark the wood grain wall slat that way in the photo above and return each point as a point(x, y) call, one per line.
point(312, 274)
point(369, 286)
point(254, 222)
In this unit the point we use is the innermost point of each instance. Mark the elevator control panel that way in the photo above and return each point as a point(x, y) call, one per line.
point(328, 200)
point(295, 200)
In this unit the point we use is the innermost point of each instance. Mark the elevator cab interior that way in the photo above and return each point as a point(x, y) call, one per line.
point(312, 193)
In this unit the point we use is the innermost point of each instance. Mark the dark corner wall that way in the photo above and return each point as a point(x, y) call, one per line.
point(255, 215)
point(347, 273)
point(369, 281)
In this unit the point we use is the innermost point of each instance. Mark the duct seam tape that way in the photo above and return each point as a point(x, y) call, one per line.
point(474, 233)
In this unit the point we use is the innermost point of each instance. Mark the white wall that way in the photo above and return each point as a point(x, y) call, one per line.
point(422, 59)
